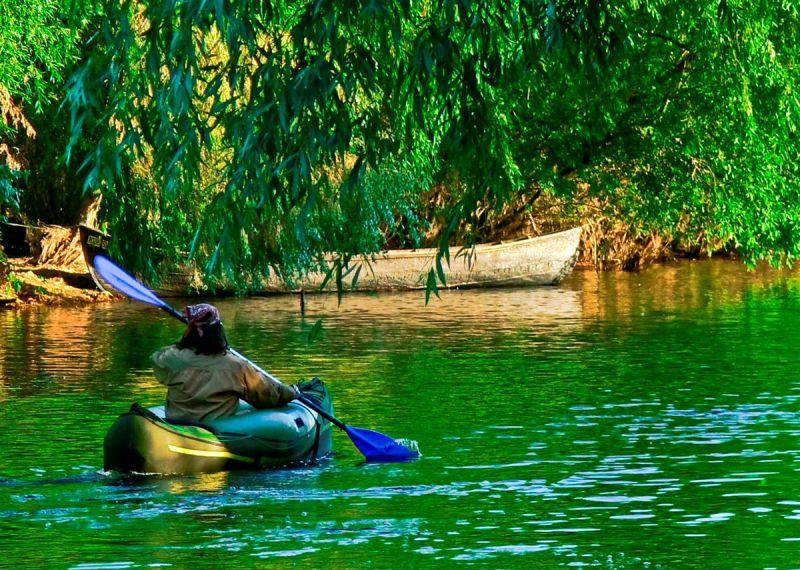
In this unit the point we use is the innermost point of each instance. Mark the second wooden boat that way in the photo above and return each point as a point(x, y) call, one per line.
point(541, 260)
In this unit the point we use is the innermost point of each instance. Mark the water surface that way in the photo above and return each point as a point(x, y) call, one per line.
point(616, 421)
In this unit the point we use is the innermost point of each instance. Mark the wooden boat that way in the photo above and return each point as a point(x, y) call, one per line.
point(542, 260)
point(176, 284)
point(93, 242)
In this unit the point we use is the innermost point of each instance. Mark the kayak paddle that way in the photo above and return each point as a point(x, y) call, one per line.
point(375, 446)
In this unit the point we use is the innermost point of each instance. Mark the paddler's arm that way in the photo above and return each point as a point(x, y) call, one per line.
point(264, 390)
point(160, 368)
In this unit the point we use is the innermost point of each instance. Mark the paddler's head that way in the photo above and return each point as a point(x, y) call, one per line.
point(204, 333)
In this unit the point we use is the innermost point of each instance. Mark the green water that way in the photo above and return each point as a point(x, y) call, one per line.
point(617, 421)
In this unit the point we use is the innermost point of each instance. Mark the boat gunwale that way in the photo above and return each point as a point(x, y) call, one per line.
point(425, 252)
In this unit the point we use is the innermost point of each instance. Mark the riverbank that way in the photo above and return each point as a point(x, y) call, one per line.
point(55, 270)
point(69, 256)
point(44, 266)
point(27, 284)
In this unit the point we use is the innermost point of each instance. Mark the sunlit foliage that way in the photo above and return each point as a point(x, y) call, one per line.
point(254, 124)
point(39, 45)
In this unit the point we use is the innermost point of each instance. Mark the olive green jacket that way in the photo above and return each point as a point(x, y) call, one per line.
point(202, 387)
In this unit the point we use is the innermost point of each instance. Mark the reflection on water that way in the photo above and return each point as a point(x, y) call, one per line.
point(618, 420)
point(704, 285)
point(506, 307)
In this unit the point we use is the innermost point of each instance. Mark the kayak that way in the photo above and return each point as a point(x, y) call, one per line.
point(142, 440)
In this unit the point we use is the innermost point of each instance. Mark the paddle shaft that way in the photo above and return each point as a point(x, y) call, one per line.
point(173, 311)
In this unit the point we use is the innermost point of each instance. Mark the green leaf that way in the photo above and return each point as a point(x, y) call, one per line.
point(431, 286)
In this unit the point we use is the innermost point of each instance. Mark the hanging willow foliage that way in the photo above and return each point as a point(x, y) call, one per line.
point(256, 121)
point(244, 130)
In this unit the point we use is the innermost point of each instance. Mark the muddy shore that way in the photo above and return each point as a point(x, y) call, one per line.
point(28, 284)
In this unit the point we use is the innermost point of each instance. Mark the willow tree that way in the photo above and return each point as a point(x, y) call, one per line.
point(247, 130)
point(258, 121)
point(689, 130)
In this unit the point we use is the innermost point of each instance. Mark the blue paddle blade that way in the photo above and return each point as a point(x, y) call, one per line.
point(379, 447)
point(124, 282)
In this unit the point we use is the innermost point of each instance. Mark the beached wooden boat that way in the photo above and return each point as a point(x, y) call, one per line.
point(174, 284)
point(93, 242)
point(542, 260)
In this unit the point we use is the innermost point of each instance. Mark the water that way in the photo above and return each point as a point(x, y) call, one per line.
point(617, 421)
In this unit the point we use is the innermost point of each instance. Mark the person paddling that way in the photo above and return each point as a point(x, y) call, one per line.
point(204, 380)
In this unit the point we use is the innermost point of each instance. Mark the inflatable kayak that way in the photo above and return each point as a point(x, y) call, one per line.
point(143, 441)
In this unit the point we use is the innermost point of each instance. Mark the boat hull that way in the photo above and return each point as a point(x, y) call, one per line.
point(94, 242)
point(142, 441)
point(541, 260)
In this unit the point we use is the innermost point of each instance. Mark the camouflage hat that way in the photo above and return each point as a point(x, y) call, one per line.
point(201, 316)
